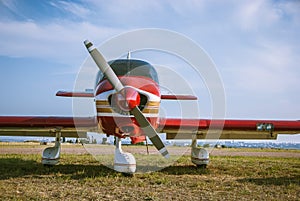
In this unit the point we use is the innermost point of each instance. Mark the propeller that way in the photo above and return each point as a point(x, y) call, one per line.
point(134, 110)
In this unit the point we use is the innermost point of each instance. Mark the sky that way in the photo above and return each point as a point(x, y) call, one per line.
point(254, 44)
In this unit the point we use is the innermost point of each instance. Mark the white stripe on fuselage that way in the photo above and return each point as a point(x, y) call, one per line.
point(104, 97)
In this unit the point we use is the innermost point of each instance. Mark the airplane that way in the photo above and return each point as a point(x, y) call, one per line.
point(127, 100)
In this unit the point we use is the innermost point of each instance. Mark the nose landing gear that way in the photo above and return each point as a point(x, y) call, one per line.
point(124, 162)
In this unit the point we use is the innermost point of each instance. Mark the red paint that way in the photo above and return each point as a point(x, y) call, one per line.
point(114, 125)
point(74, 94)
point(179, 97)
point(47, 121)
point(135, 140)
point(202, 124)
point(279, 125)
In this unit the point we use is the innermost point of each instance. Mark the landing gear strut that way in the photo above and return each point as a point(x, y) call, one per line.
point(199, 156)
point(51, 155)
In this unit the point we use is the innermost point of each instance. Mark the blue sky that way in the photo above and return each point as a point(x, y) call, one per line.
point(254, 44)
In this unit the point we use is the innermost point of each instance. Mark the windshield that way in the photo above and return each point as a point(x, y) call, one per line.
point(129, 67)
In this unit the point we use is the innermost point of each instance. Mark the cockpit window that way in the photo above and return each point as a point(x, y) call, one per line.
point(129, 67)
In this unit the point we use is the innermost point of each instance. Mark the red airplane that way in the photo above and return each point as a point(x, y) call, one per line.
point(128, 98)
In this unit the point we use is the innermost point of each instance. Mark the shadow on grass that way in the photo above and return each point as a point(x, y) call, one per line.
point(173, 170)
point(183, 170)
point(18, 167)
point(278, 181)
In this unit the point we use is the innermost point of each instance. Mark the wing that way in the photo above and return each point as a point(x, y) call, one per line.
point(46, 126)
point(84, 94)
point(178, 97)
point(227, 129)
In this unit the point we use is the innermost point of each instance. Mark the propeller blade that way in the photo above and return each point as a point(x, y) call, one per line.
point(103, 66)
point(150, 131)
point(118, 86)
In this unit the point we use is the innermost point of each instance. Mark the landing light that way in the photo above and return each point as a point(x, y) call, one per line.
point(264, 127)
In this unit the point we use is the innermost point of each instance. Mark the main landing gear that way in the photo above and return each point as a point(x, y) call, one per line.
point(51, 155)
point(199, 156)
point(123, 162)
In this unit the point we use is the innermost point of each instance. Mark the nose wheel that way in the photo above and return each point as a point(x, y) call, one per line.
point(124, 162)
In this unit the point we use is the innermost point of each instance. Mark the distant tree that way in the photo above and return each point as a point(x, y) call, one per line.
point(139, 143)
point(104, 140)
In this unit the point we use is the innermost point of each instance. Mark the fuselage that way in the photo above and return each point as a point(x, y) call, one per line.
point(141, 77)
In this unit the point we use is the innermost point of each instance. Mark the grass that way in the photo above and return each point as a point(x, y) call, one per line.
point(81, 177)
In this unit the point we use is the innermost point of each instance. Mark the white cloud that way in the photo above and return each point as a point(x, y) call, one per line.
point(10, 4)
point(253, 14)
point(13, 7)
point(270, 66)
point(71, 7)
point(263, 14)
point(54, 41)
point(190, 6)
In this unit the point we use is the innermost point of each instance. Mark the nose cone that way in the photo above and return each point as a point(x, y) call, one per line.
point(128, 98)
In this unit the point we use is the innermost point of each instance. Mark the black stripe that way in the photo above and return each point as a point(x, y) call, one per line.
point(89, 45)
point(165, 153)
point(157, 142)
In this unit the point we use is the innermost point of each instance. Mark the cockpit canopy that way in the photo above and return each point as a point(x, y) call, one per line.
point(131, 67)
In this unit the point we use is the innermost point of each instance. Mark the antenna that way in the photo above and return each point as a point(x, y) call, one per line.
point(128, 55)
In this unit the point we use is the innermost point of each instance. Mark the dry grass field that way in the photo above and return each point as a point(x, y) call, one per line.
point(80, 177)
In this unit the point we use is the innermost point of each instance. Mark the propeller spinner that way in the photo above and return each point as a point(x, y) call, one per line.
point(128, 98)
